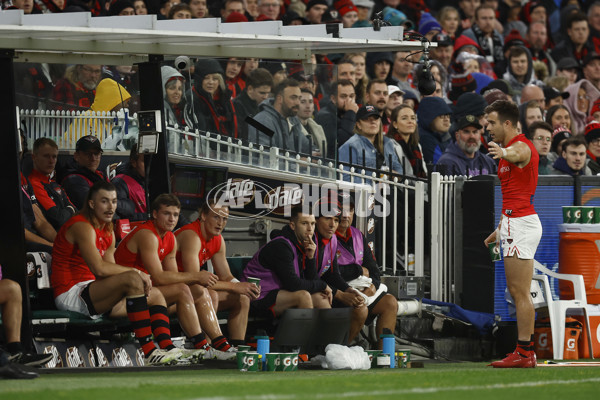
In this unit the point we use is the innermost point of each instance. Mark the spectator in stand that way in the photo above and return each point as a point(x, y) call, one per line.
point(140, 7)
point(338, 116)
point(529, 112)
point(269, 10)
point(76, 91)
point(364, 8)
point(346, 70)
point(594, 24)
point(310, 128)
point(568, 67)
point(165, 7)
point(315, 10)
point(280, 115)
point(369, 147)
point(347, 11)
point(151, 248)
point(541, 137)
point(467, 10)
point(212, 100)
point(559, 116)
point(520, 71)
point(26, 5)
point(131, 188)
point(573, 158)
point(394, 100)
point(553, 97)
point(231, 6)
point(582, 94)
point(377, 95)
point(463, 156)
point(591, 69)
point(483, 33)
point(199, 9)
point(52, 199)
point(82, 171)
point(595, 111)
point(533, 93)
point(86, 279)
point(379, 64)
point(11, 304)
point(251, 9)
point(592, 137)
point(233, 75)
point(258, 88)
point(401, 74)
point(559, 136)
point(360, 73)
point(176, 107)
point(433, 118)
point(429, 26)
point(449, 19)
point(277, 68)
point(121, 7)
point(405, 138)
point(180, 11)
point(577, 44)
point(286, 267)
point(443, 51)
point(250, 64)
point(537, 38)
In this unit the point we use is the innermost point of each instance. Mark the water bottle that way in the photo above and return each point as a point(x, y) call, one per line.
point(263, 347)
point(411, 263)
point(389, 346)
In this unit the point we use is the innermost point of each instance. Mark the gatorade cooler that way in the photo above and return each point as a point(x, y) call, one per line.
point(579, 253)
point(594, 317)
point(543, 339)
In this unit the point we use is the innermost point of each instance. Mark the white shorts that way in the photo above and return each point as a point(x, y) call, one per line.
point(520, 236)
point(71, 300)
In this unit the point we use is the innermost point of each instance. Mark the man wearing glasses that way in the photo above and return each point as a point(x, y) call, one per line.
point(541, 137)
point(268, 9)
point(82, 171)
point(76, 91)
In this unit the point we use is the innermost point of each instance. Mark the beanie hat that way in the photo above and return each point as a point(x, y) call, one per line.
point(592, 131)
point(462, 84)
point(469, 104)
point(236, 17)
point(204, 67)
point(313, 3)
point(558, 136)
point(394, 17)
point(428, 23)
point(595, 107)
point(344, 7)
point(118, 6)
point(494, 94)
point(513, 38)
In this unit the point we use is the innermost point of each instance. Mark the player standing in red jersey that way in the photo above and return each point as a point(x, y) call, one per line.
point(519, 229)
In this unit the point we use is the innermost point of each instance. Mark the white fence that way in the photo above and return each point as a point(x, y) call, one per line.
point(66, 127)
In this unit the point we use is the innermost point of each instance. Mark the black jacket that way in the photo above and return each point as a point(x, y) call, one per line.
point(78, 181)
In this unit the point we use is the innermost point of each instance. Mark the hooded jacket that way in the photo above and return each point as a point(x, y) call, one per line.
point(215, 115)
point(433, 143)
point(181, 113)
point(578, 118)
point(77, 182)
point(455, 162)
point(529, 78)
point(560, 167)
point(288, 134)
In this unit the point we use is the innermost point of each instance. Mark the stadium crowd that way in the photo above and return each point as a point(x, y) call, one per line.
point(359, 108)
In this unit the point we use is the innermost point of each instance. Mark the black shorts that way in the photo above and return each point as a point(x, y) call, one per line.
point(263, 308)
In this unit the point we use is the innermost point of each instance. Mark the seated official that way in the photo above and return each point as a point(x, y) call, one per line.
point(286, 267)
point(131, 188)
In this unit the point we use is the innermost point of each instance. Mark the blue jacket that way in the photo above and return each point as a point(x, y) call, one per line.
point(355, 146)
point(454, 162)
point(433, 143)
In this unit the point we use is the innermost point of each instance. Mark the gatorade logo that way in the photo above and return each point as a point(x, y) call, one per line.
point(571, 344)
point(249, 361)
point(578, 213)
point(277, 362)
point(543, 340)
point(287, 361)
point(295, 361)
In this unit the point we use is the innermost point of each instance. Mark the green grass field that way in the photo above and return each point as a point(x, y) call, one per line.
point(436, 381)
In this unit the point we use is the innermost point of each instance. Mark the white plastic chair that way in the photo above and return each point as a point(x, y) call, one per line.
point(557, 309)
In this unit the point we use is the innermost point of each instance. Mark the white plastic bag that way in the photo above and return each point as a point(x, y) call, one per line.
point(343, 357)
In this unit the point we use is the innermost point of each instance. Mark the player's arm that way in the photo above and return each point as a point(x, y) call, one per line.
point(518, 153)
point(227, 281)
point(83, 235)
point(189, 246)
point(42, 225)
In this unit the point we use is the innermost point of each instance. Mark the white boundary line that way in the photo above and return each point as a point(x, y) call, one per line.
point(372, 393)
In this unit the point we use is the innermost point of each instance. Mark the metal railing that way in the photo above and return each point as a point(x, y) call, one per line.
point(66, 127)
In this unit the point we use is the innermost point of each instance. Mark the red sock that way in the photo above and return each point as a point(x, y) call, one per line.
point(138, 314)
point(160, 327)
point(200, 342)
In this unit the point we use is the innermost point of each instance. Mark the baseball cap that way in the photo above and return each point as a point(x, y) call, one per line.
point(499, 84)
point(468, 120)
point(395, 89)
point(364, 3)
point(443, 40)
point(567, 63)
point(87, 143)
point(366, 111)
point(552, 93)
point(591, 56)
